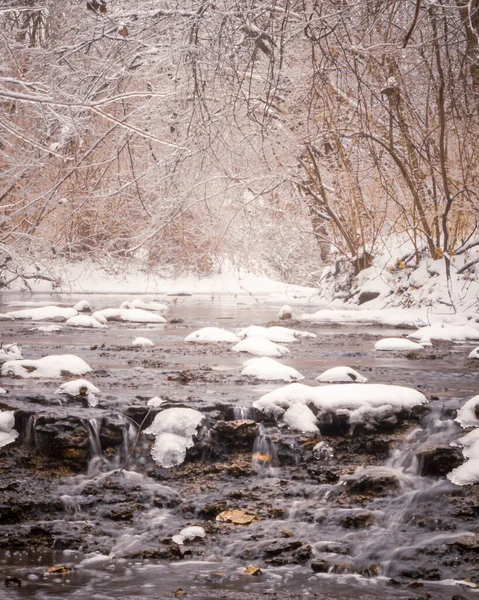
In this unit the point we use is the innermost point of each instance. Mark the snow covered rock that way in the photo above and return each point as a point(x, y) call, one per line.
point(5, 317)
point(188, 533)
point(128, 315)
point(84, 321)
point(142, 341)
point(139, 303)
point(270, 369)
point(209, 335)
point(397, 344)
point(44, 313)
point(468, 415)
point(10, 352)
point(49, 328)
point(80, 387)
point(82, 306)
point(300, 417)
point(467, 473)
point(7, 422)
point(259, 346)
point(173, 429)
point(285, 312)
point(446, 332)
point(341, 375)
point(274, 334)
point(155, 401)
point(54, 367)
point(2, 391)
point(474, 353)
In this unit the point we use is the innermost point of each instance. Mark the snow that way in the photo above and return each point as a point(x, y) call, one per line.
point(446, 332)
point(361, 403)
point(274, 334)
point(397, 344)
point(80, 387)
point(466, 416)
point(2, 391)
point(285, 312)
point(53, 367)
point(49, 328)
point(155, 401)
point(270, 369)
point(209, 335)
point(259, 346)
point(468, 472)
point(82, 306)
point(474, 353)
point(139, 303)
point(132, 315)
point(44, 313)
point(341, 375)
point(142, 341)
point(392, 317)
point(189, 533)
point(10, 352)
point(84, 321)
point(173, 429)
point(5, 317)
point(7, 422)
point(300, 417)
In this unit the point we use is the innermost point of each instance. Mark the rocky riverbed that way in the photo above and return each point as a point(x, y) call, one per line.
point(349, 512)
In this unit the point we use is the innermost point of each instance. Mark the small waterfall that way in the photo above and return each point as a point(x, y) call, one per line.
point(30, 435)
point(264, 451)
point(97, 462)
point(241, 413)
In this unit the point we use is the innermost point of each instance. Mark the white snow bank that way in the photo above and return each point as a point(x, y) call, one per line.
point(10, 352)
point(84, 321)
point(174, 429)
point(474, 353)
point(131, 315)
point(189, 533)
point(446, 332)
point(270, 369)
point(139, 303)
point(44, 313)
point(300, 417)
point(7, 422)
point(259, 346)
point(360, 403)
point(80, 387)
point(82, 306)
point(5, 317)
point(466, 416)
point(392, 317)
point(53, 367)
point(341, 375)
point(142, 341)
point(274, 334)
point(467, 473)
point(209, 335)
point(49, 328)
point(397, 344)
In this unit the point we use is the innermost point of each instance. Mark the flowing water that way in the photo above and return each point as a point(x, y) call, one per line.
point(364, 545)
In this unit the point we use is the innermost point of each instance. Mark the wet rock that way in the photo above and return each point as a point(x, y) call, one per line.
point(428, 574)
point(439, 460)
point(324, 474)
point(372, 485)
point(280, 547)
point(367, 297)
point(357, 520)
point(466, 542)
point(64, 440)
point(231, 435)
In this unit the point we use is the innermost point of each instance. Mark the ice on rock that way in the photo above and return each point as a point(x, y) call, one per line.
point(446, 332)
point(82, 306)
point(467, 473)
point(7, 422)
point(142, 341)
point(260, 346)
point(84, 321)
point(189, 533)
point(341, 375)
point(53, 367)
point(270, 369)
point(128, 315)
point(80, 387)
point(209, 335)
point(10, 352)
point(397, 344)
point(468, 415)
point(44, 313)
point(274, 334)
point(474, 353)
point(139, 303)
point(174, 429)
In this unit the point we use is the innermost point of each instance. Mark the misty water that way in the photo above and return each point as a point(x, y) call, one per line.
point(368, 560)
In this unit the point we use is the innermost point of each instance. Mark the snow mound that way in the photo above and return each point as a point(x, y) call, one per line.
point(5, 317)
point(189, 533)
point(300, 417)
point(7, 422)
point(285, 312)
point(467, 473)
point(53, 367)
point(274, 334)
point(131, 315)
point(10, 352)
point(142, 341)
point(84, 321)
point(468, 415)
point(397, 344)
point(367, 402)
point(446, 332)
point(44, 313)
point(49, 328)
point(82, 306)
point(80, 387)
point(2, 391)
point(139, 303)
point(341, 375)
point(155, 401)
point(381, 317)
point(474, 353)
point(259, 346)
point(174, 429)
point(270, 369)
point(209, 335)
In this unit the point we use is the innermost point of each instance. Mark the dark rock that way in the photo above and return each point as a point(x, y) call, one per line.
point(280, 547)
point(372, 485)
point(64, 440)
point(235, 434)
point(466, 542)
point(357, 520)
point(303, 554)
point(439, 460)
point(113, 431)
point(367, 297)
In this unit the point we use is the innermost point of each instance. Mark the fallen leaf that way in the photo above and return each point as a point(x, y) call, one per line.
point(59, 570)
point(252, 570)
point(179, 593)
point(238, 517)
